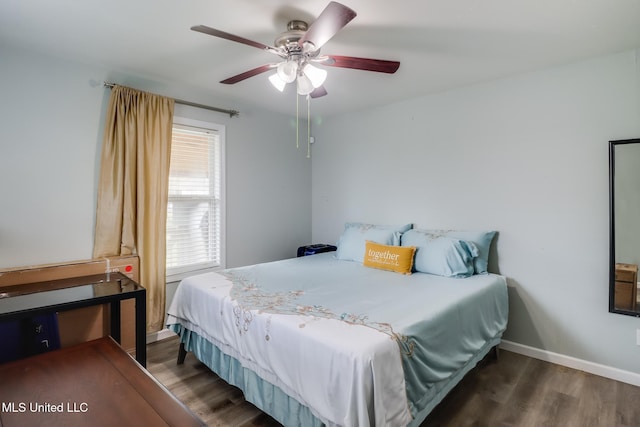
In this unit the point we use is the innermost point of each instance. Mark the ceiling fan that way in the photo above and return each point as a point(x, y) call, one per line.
point(299, 49)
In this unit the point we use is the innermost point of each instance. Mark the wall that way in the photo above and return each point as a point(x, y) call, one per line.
point(527, 156)
point(51, 127)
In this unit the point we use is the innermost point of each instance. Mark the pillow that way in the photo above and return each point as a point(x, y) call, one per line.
point(481, 239)
point(441, 255)
point(352, 241)
point(391, 258)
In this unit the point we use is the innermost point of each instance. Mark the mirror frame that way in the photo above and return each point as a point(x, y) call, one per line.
point(612, 239)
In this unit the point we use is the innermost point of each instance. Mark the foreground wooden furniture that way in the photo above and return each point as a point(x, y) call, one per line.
point(626, 286)
point(95, 383)
point(32, 299)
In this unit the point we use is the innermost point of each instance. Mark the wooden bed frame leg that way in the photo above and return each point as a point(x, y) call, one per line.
point(182, 353)
point(496, 353)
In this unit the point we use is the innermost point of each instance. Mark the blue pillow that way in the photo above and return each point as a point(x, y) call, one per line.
point(441, 255)
point(351, 245)
point(482, 240)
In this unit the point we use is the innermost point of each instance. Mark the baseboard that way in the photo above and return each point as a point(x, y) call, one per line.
point(160, 335)
point(574, 363)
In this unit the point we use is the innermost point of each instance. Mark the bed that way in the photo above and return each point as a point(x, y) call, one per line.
point(327, 340)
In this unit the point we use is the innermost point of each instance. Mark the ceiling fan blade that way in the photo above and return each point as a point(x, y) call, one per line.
point(367, 64)
point(318, 92)
point(227, 36)
point(331, 20)
point(243, 76)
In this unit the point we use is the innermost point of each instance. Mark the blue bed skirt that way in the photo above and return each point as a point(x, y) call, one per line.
point(275, 402)
point(264, 395)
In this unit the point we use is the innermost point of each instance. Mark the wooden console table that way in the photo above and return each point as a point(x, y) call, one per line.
point(93, 384)
point(33, 299)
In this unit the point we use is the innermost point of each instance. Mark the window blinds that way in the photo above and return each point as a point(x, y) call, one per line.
point(194, 204)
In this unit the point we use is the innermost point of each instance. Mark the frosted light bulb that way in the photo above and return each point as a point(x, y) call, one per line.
point(277, 82)
point(287, 71)
point(305, 87)
point(315, 74)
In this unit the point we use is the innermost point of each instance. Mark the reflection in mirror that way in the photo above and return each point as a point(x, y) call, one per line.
point(624, 200)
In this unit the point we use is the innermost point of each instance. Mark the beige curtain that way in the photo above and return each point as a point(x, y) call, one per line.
point(133, 189)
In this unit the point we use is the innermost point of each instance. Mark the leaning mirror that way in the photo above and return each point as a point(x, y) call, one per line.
point(624, 227)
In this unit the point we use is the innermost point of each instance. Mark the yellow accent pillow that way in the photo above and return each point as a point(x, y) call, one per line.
point(391, 258)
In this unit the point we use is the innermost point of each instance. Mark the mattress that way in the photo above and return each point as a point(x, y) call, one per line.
point(354, 346)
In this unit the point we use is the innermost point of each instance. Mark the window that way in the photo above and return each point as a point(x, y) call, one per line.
point(195, 204)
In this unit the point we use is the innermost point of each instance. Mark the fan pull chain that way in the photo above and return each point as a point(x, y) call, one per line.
point(297, 121)
point(308, 127)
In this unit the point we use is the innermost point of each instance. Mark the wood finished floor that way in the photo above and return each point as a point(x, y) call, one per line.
point(514, 391)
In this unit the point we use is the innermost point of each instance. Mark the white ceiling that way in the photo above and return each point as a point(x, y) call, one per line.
point(441, 44)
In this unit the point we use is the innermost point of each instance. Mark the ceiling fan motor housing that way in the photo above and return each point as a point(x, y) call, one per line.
point(288, 41)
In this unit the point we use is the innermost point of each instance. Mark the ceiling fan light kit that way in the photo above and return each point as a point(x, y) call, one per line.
point(299, 48)
point(308, 77)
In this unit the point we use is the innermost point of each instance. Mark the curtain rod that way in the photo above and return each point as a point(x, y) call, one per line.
point(231, 113)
